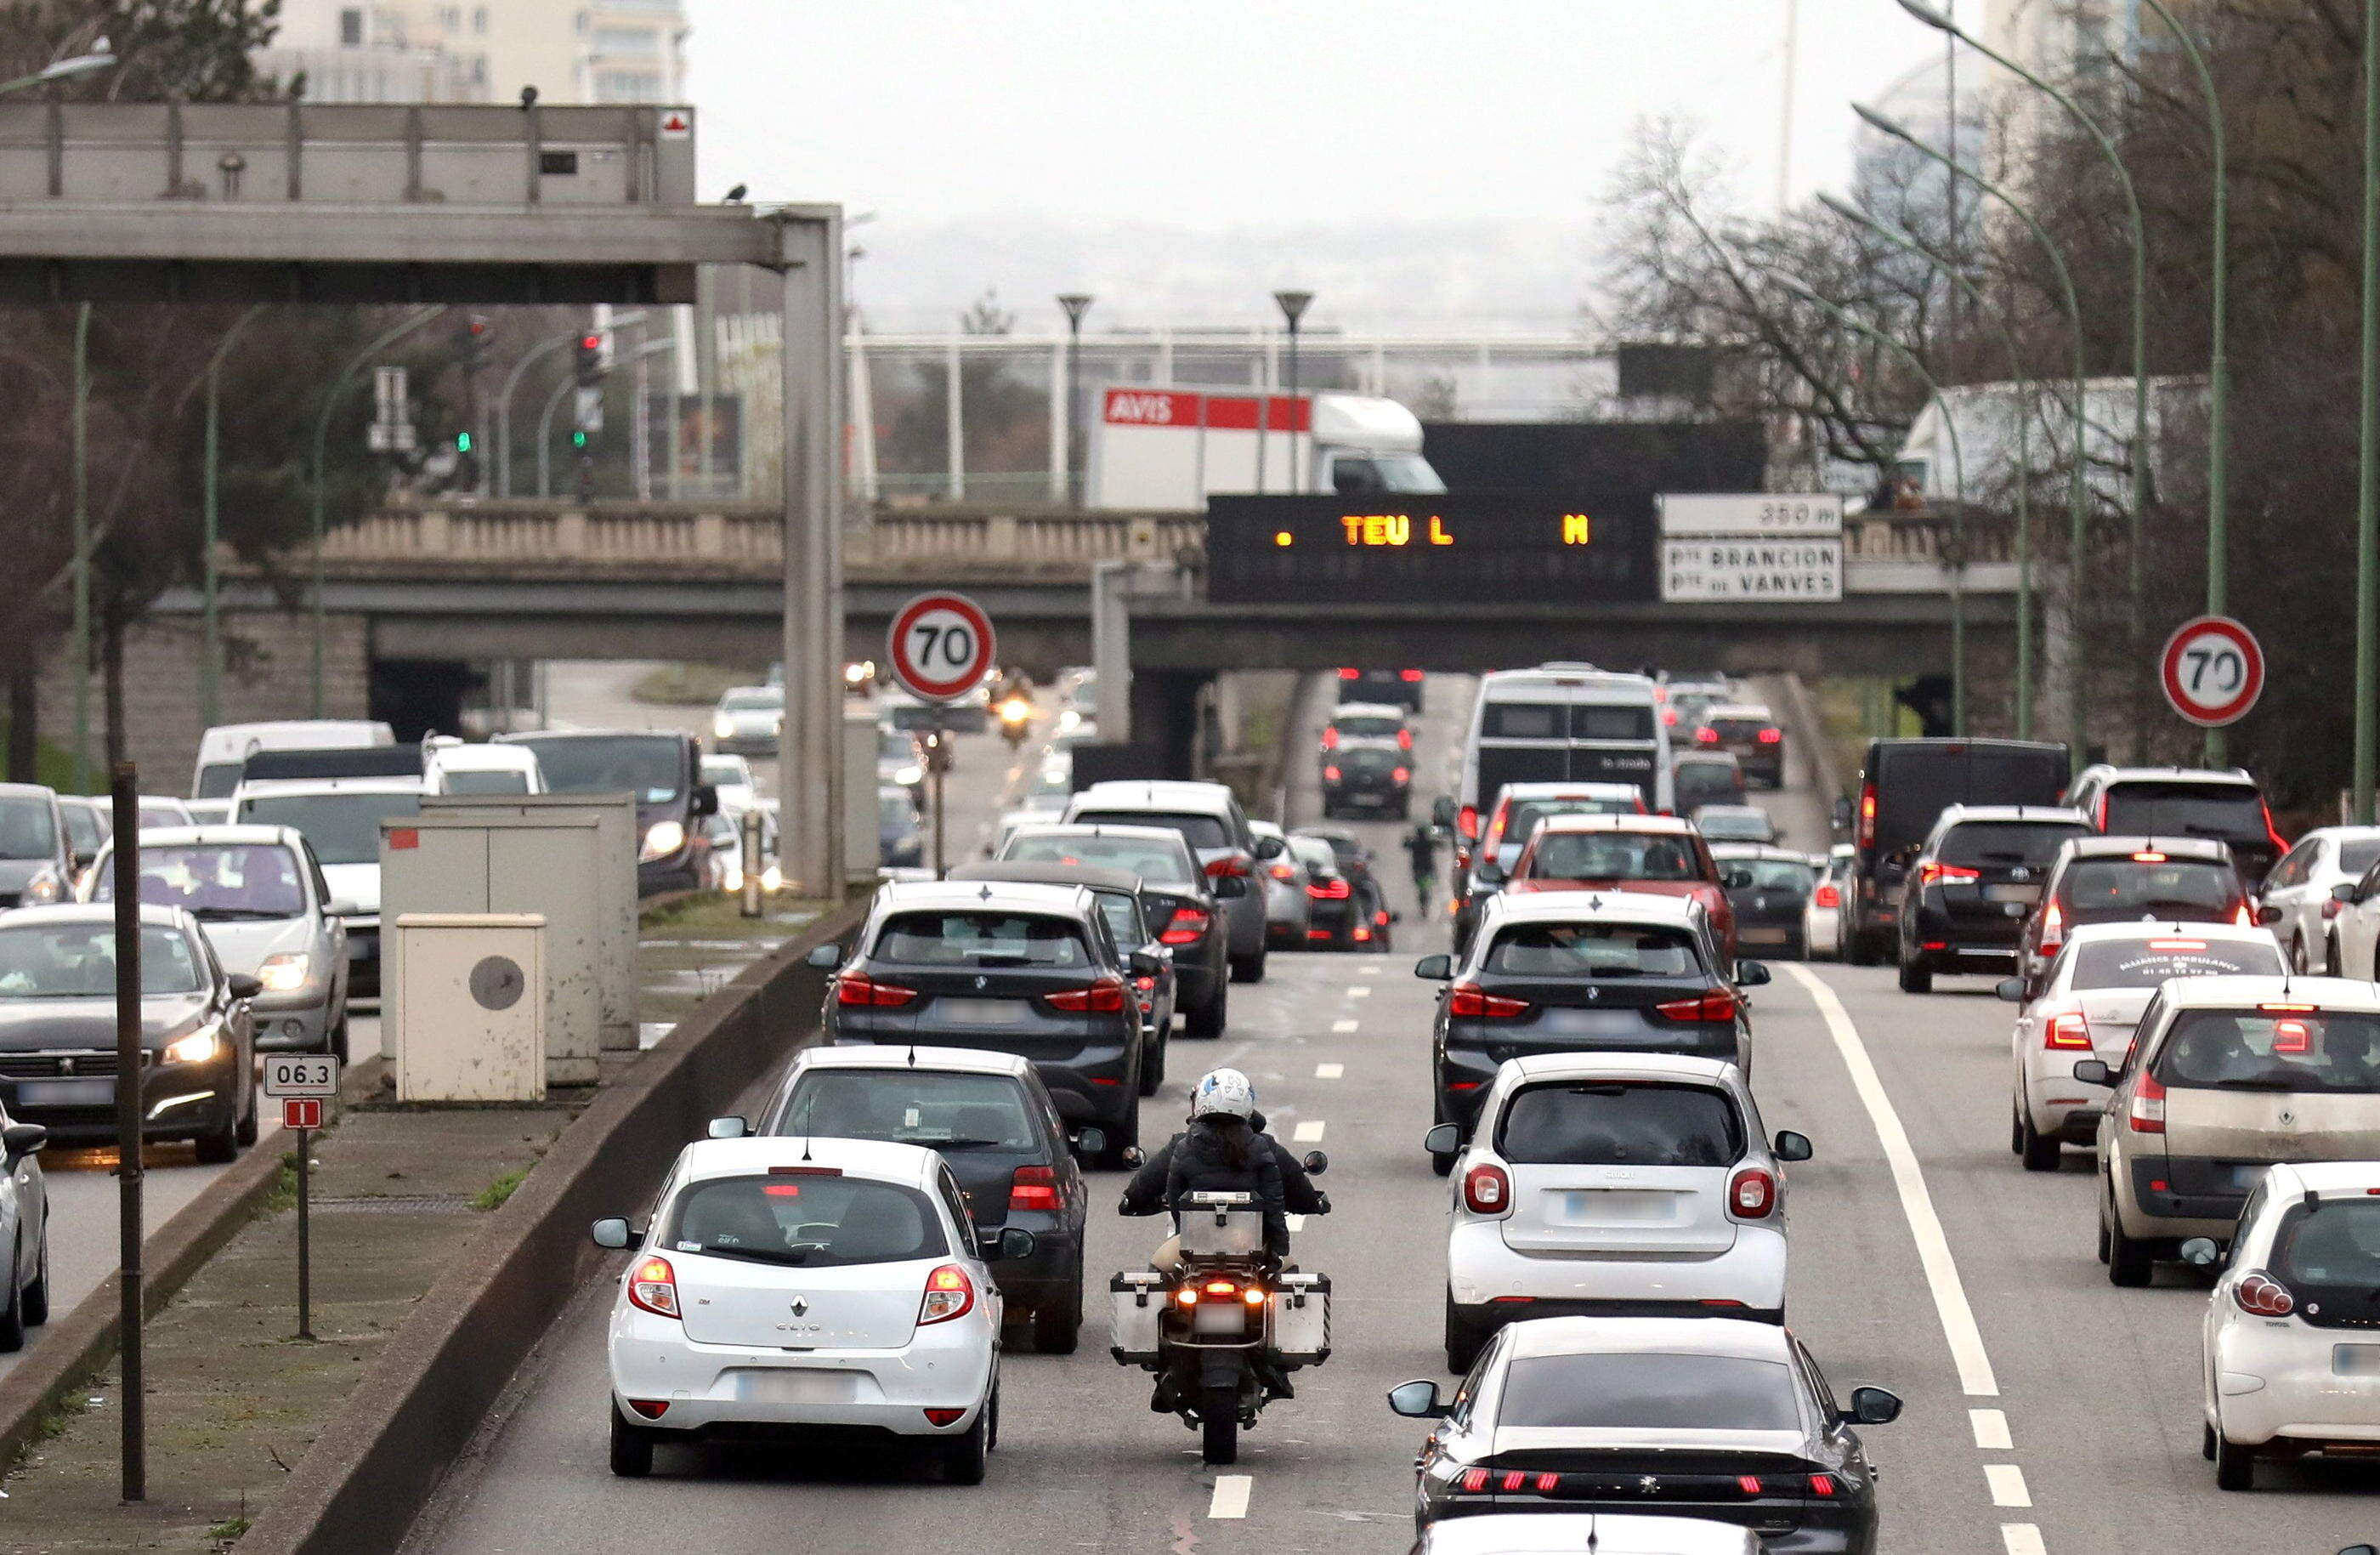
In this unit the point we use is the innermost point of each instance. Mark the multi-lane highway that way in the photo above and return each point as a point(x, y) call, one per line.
point(2047, 1410)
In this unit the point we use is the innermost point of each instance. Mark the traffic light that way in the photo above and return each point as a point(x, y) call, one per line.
point(579, 439)
point(590, 365)
point(462, 443)
point(479, 333)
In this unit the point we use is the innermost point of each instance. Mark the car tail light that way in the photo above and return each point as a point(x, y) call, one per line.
point(949, 1294)
point(1033, 1187)
point(1104, 996)
point(651, 1409)
point(2291, 1036)
point(2069, 1030)
point(1933, 874)
point(859, 988)
point(1488, 1191)
point(1349, 674)
point(1328, 891)
point(1770, 736)
point(2271, 832)
point(1867, 815)
point(1411, 677)
point(1718, 1004)
point(2147, 1113)
point(2053, 928)
point(1707, 735)
point(1515, 1479)
point(1470, 1002)
point(1822, 1485)
point(2148, 858)
point(2265, 1297)
point(1547, 1483)
point(1466, 821)
point(1283, 872)
point(653, 1285)
point(1403, 774)
point(1475, 1480)
point(944, 1417)
point(2276, 1007)
point(1828, 896)
point(1670, 717)
point(2099, 813)
point(1751, 1194)
point(1330, 737)
point(1189, 925)
point(1404, 739)
point(2246, 917)
point(1230, 864)
point(1330, 775)
point(1748, 1483)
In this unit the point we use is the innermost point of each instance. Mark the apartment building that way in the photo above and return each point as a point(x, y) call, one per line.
point(482, 51)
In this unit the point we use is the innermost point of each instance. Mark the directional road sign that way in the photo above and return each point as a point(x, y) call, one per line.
point(940, 647)
point(2212, 669)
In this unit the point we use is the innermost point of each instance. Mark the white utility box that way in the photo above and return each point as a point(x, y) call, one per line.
point(469, 1025)
point(861, 838)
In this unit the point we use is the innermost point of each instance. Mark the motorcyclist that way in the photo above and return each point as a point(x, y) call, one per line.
point(1421, 847)
point(1145, 1194)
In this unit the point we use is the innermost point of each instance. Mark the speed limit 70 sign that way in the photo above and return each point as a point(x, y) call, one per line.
point(2212, 670)
point(940, 647)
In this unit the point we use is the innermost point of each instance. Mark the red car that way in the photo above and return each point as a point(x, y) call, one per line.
point(1660, 855)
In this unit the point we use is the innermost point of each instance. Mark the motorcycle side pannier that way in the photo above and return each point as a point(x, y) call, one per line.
point(1136, 1302)
point(1301, 1318)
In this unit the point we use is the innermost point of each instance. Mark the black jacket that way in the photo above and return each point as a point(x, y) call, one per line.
point(1202, 1160)
point(1145, 1194)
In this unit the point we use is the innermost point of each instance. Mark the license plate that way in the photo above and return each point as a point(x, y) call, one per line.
point(2014, 894)
point(980, 1012)
point(1603, 1207)
point(795, 1385)
point(1761, 936)
point(65, 1093)
point(2355, 1360)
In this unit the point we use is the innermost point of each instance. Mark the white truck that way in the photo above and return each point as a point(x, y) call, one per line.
point(1171, 448)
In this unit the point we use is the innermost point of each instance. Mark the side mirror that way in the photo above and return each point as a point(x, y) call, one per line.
point(1091, 1142)
point(341, 907)
point(1789, 1145)
point(1735, 880)
point(728, 1128)
point(1133, 1155)
point(1441, 813)
point(2359, 1549)
point(826, 958)
point(1417, 1400)
point(1229, 887)
point(242, 986)
point(1436, 968)
point(2267, 916)
point(1488, 873)
point(1873, 1406)
point(1444, 1139)
point(1270, 847)
point(2093, 1071)
point(611, 1233)
point(1840, 817)
point(1316, 1163)
point(2200, 1251)
point(703, 803)
point(1009, 1244)
point(2343, 892)
point(1752, 974)
point(1147, 964)
point(20, 1140)
point(2009, 990)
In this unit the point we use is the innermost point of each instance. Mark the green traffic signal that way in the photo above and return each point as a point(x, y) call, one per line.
point(579, 439)
point(462, 443)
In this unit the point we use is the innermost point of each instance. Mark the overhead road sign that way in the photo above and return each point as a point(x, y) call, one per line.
point(1732, 514)
point(1770, 570)
point(940, 647)
point(2212, 669)
point(1393, 548)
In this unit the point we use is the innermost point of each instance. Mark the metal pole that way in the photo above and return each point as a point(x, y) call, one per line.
point(125, 796)
point(305, 1238)
point(811, 764)
point(211, 659)
point(545, 437)
point(1785, 107)
point(938, 756)
point(1076, 304)
point(83, 550)
point(2367, 483)
point(504, 406)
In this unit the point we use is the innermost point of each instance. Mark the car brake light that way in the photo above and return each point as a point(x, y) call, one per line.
point(2275, 1007)
point(651, 1409)
point(1488, 1191)
point(1771, 736)
point(944, 1417)
point(2246, 917)
point(1328, 891)
point(2053, 928)
point(1547, 1482)
point(1822, 1485)
point(1707, 735)
point(1230, 864)
point(1752, 1193)
point(1330, 775)
point(1867, 815)
point(1033, 1187)
point(1718, 1004)
point(654, 1286)
point(2148, 858)
point(1411, 677)
point(859, 988)
point(1401, 774)
point(1828, 896)
point(2147, 1113)
point(1748, 1483)
point(1466, 821)
point(1931, 874)
point(1188, 927)
point(1282, 872)
point(2069, 1030)
point(949, 1294)
point(1470, 1002)
point(2265, 1297)
point(1349, 674)
point(2291, 1036)
point(1104, 996)
point(1475, 1480)
point(1404, 739)
point(1670, 717)
point(1330, 737)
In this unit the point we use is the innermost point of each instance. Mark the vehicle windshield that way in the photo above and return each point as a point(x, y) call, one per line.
point(2147, 963)
point(2031, 843)
point(1614, 1124)
point(811, 1218)
point(1371, 725)
point(1648, 1393)
point(77, 961)
point(758, 698)
point(2097, 890)
point(1615, 855)
point(2183, 810)
point(28, 827)
point(220, 880)
point(980, 939)
point(2271, 1050)
point(1594, 950)
point(1522, 820)
point(484, 781)
point(2338, 1244)
point(85, 831)
point(2359, 855)
point(932, 1108)
point(217, 779)
point(1772, 875)
point(1199, 831)
point(1353, 475)
point(343, 828)
point(652, 766)
point(1152, 861)
point(1123, 912)
point(1742, 823)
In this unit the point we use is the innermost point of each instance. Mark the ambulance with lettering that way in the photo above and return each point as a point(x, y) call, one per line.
point(1171, 448)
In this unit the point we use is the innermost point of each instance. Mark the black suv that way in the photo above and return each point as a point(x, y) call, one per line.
point(2117, 879)
point(1904, 788)
point(1971, 885)
point(2226, 807)
point(1184, 905)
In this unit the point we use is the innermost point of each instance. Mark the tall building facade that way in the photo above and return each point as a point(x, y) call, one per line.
point(482, 51)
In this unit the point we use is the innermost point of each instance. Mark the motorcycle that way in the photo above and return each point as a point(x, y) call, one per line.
point(1224, 1332)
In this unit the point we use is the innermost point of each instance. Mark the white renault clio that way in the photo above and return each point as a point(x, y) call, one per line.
point(795, 1285)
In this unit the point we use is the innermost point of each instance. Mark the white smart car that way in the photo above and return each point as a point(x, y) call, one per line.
point(2293, 1364)
point(792, 1283)
point(1614, 1185)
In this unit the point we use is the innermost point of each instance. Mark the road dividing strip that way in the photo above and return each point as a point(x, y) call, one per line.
point(1341, 1028)
point(1359, 990)
point(1950, 1305)
point(1308, 1133)
point(1330, 1071)
point(2021, 1538)
point(1230, 1495)
point(2006, 1482)
point(1991, 1430)
point(1371, 971)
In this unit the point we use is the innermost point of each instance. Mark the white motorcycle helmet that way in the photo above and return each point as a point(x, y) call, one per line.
point(1222, 1093)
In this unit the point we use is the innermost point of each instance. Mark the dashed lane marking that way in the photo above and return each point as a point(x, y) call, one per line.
point(1330, 1071)
point(1341, 1028)
point(1369, 971)
point(1308, 1133)
point(1230, 1495)
point(1991, 1430)
point(2006, 1482)
point(2023, 1538)
point(1360, 990)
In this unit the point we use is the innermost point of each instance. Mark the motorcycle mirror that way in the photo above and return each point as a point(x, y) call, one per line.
point(1316, 1163)
point(1132, 1155)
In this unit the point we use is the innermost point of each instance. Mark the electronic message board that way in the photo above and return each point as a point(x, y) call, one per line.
point(1400, 548)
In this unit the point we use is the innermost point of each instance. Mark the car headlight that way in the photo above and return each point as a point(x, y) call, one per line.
point(909, 774)
point(772, 879)
point(734, 877)
point(197, 1048)
point(44, 889)
point(285, 973)
point(723, 727)
point(661, 839)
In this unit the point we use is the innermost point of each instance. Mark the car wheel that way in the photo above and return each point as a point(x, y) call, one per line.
point(964, 1455)
point(2016, 1129)
point(12, 1315)
point(2298, 954)
point(2235, 1465)
point(1206, 1022)
point(2041, 1152)
point(2130, 1260)
point(1057, 1329)
point(1122, 1136)
point(632, 1447)
point(1248, 968)
point(1858, 949)
point(1218, 1424)
point(1916, 976)
point(246, 1133)
point(2207, 1442)
point(1464, 1342)
point(220, 1147)
point(37, 1295)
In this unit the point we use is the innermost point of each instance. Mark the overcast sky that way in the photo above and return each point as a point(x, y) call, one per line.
point(1414, 162)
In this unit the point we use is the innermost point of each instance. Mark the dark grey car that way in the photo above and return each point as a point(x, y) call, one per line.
point(36, 855)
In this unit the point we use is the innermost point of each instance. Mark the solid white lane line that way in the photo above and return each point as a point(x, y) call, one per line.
point(2006, 1482)
point(1341, 1028)
point(1991, 1430)
point(1330, 1071)
point(2021, 1538)
point(1308, 1133)
point(1966, 1339)
point(1360, 990)
point(1230, 1495)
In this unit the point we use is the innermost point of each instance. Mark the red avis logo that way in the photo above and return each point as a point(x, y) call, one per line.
point(1130, 407)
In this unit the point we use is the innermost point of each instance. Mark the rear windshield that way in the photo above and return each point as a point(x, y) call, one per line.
point(1591, 721)
point(1525, 820)
point(28, 828)
point(758, 699)
point(2147, 963)
point(1369, 758)
point(1343, 850)
point(1373, 725)
point(931, 1108)
point(2117, 888)
point(484, 781)
point(1602, 1125)
point(812, 1221)
point(1974, 843)
point(2188, 809)
point(1733, 822)
point(1772, 875)
point(1649, 1392)
point(1738, 728)
point(2337, 1245)
point(1314, 853)
point(1915, 783)
point(2263, 1050)
point(1199, 831)
point(1521, 720)
point(981, 938)
point(85, 831)
point(1615, 855)
point(1593, 950)
point(1153, 862)
point(343, 828)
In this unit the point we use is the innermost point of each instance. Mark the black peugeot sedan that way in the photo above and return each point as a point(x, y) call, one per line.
point(57, 1030)
point(1581, 971)
point(1709, 1417)
point(1973, 883)
point(1026, 969)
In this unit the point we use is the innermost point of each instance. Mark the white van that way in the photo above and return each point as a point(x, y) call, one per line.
point(451, 765)
point(1563, 722)
point(225, 749)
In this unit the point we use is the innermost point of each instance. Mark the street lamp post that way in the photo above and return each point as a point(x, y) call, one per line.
point(1293, 305)
point(1076, 304)
point(505, 404)
point(81, 434)
point(62, 70)
point(211, 646)
point(2367, 475)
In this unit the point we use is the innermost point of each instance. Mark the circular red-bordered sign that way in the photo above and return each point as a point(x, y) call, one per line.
point(940, 647)
point(2212, 669)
